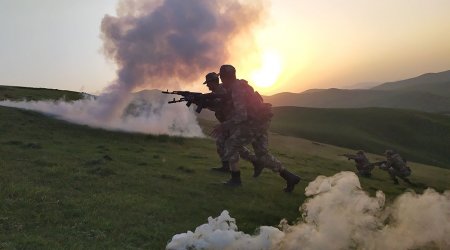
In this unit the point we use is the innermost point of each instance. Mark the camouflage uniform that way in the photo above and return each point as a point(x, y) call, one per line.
point(362, 164)
point(396, 167)
point(222, 112)
point(248, 124)
point(244, 152)
point(244, 131)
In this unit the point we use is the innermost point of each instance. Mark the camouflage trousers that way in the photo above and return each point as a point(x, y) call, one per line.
point(242, 135)
point(403, 173)
point(365, 170)
point(244, 152)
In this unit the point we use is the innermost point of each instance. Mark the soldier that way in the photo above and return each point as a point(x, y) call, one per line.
point(248, 124)
point(222, 109)
point(363, 166)
point(396, 167)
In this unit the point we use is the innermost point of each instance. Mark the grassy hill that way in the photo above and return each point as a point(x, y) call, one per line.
point(69, 186)
point(363, 98)
point(419, 136)
point(33, 94)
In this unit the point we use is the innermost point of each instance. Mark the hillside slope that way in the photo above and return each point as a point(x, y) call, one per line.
point(70, 186)
point(345, 98)
point(418, 136)
point(34, 94)
point(418, 133)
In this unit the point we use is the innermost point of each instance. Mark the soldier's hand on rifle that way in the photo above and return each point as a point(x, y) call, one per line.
point(346, 155)
point(217, 131)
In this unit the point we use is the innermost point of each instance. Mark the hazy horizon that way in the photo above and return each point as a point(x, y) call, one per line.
point(361, 85)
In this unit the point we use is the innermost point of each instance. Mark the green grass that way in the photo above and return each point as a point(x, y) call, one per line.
point(71, 186)
point(34, 94)
point(66, 186)
point(418, 136)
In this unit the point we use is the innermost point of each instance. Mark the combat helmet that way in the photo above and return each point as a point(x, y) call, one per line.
point(389, 152)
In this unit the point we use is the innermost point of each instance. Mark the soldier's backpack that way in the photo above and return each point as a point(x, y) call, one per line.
point(257, 109)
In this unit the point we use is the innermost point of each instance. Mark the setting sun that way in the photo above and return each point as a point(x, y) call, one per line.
point(270, 70)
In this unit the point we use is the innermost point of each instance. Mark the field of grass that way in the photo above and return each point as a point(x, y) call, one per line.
point(418, 136)
point(34, 94)
point(70, 186)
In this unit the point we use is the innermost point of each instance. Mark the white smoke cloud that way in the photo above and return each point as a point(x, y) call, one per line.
point(340, 215)
point(221, 233)
point(147, 112)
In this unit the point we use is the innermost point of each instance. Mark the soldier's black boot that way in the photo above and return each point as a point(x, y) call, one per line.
point(257, 168)
point(395, 181)
point(364, 174)
point(225, 168)
point(235, 180)
point(291, 180)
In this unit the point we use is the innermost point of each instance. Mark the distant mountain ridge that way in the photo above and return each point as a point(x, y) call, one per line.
point(429, 92)
point(362, 85)
point(435, 83)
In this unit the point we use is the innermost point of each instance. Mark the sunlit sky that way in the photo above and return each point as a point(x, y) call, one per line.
point(303, 44)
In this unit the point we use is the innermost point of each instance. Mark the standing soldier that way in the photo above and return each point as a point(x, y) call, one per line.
point(222, 110)
point(396, 167)
point(363, 166)
point(248, 124)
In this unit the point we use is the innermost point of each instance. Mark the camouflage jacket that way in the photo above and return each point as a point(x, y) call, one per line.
point(222, 107)
point(360, 160)
point(239, 93)
point(396, 162)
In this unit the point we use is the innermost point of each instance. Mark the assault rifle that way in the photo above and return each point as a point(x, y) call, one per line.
point(378, 163)
point(374, 164)
point(199, 99)
point(349, 156)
